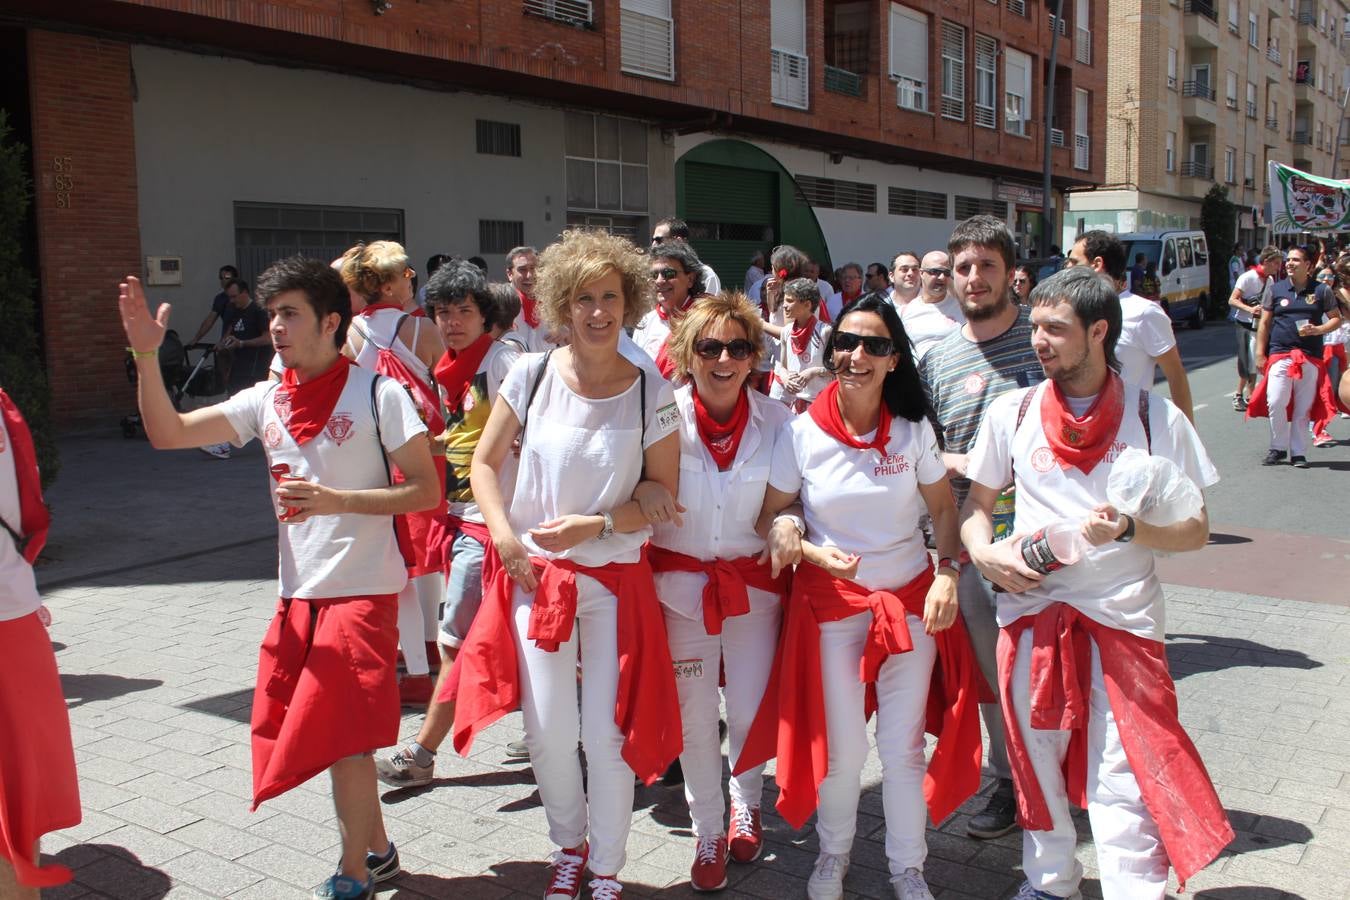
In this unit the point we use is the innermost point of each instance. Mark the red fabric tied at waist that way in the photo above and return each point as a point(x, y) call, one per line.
point(791, 719)
point(476, 530)
point(1173, 781)
point(725, 594)
point(485, 680)
point(1258, 407)
point(326, 688)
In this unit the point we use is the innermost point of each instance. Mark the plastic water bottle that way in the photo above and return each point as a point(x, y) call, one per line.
point(1055, 546)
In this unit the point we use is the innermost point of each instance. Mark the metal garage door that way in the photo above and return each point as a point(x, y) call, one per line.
point(731, 212)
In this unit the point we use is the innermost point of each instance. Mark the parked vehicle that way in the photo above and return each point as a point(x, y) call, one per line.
point(1182, 258)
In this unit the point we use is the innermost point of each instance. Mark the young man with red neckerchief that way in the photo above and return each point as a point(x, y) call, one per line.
point(1088, 703)
point(326, 696)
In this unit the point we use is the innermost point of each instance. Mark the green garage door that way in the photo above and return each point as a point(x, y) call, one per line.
point(732, 212)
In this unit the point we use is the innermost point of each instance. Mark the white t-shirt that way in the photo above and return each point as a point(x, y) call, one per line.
point(862, 501)
point(1115, 583)
point(927, 323)
point(1145, 334)
point(711, 283)
point(381, 325)
point(789, 363)
point(18, 587)
point(752, 277)
point(1255, 287)
point(341, 555)
point(650, 333)
point(582, 456)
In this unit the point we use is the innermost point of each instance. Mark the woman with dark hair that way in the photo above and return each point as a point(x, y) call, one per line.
point(1022, 281)
point(677, 276)
point(868, 617)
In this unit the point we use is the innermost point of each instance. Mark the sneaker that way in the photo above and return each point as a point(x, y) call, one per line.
point(343, 887)
point(999, 815)
point(1027, 892)
point(1323, 440)
point(402, 771)
point(383, 866)
point(415, 690)
point(606, 887)
point(909, 885)
point(747, 837)
point(219, 451)
point(567, 867)
point(1239, 403)
point(517, 750)
point(1273, 458)
point(709, 872)
point(1298, 462)
point(827, 877)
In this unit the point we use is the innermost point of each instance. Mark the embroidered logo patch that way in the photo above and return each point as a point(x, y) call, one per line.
point(1043, 460)
point(272, 435)
point(668, 417)
point(339, 427)
point(974, 383)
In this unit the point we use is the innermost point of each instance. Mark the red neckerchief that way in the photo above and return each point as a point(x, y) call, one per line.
point(1082, 443)
point(801, 337)
point(825, 412)
point(34, 517)
point(664, 363)
point(373, 308)
point(666, 317)
point(304, 408)
point(455, 371)
point(722, 438)
point(529, 308)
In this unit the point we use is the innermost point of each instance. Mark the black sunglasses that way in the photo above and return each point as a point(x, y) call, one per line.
point(709, 348)
point(847, 342)
point(667, 274)
point(657, 239)
point(937, 271)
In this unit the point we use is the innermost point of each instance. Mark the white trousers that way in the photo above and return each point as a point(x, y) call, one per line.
point(746, 648)
point(1286, 434)
point(902, 696)
point(603, 805)
point(417, 625)
point(1130, 853)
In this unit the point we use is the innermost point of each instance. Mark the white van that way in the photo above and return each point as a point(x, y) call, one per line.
point(1182, 258)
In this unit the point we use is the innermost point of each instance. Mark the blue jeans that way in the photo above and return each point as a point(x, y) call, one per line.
point(463, 590)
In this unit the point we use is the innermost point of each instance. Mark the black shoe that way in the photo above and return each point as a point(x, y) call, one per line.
point(1298, 462)
point(382, 868)
point(674, 776)
point(999, 815)
point(1273, 458)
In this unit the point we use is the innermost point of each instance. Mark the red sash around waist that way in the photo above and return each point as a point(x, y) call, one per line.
point(724, 594)
point(1258, 407)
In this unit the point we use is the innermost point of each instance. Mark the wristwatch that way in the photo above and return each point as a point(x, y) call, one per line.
point(607, 529)
point(947, 562)
point(1128, 534)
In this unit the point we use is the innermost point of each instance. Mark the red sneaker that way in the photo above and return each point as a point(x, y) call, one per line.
point(747, 837)
point(709, 872)
point(568, 866)
point(415, 690)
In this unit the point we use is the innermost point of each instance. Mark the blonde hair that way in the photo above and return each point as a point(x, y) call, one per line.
point(707, 311)
point(582, 257)
point(366, 267)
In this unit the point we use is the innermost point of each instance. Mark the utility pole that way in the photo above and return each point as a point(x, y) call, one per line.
point(1048, 217)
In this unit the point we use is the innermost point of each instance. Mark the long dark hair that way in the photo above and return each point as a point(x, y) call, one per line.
point(902, 391)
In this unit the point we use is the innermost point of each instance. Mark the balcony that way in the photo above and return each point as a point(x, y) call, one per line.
point(577, 13)
point(1082, 151)
point(790, 77)
point(1273, 123)
point(1302, 137)
point(1197, 170)
point(1197, 103)
point(1200, 24)
point(1273, 53)
point(842, 81)
point(1304, 89)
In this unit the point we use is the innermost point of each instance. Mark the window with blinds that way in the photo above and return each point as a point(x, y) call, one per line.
point(789, 67)
point(647, 38)
point(499, 235)
point(909, 57)
point(953, 71)
point(974, 206)
point(834, 193)
point(986, 81)
point(911, 202)
point(1016, 92)
point(498, 138)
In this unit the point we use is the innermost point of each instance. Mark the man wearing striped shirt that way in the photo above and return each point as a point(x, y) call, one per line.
point(962, 374)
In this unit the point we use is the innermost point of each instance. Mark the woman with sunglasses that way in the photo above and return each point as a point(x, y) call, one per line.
point(379, 274)
point(868, 618)
point(1023, 280)
point(566, 574)
point(722, 604)
point(677, 276)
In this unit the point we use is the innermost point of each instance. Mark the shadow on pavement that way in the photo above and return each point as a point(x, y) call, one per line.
point(237, 706)
point(1246, 893)
point(505, 778)
point(1218, 537)
point(507, 877)
point(1207, 653)
point(114, 871)
point(82, 689)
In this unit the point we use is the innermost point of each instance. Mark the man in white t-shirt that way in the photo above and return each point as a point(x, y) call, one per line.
point(1250, 289)
point(326, 696)
point(850, 289)
point(935, 313)
point(1089, 632)
point(529, 332)
point(877, 279)
point(904, 278)
point(1145, 330)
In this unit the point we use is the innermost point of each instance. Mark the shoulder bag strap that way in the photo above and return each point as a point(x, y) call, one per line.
point(534, 389)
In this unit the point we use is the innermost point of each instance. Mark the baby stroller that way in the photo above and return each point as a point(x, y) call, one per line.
point(201, 380)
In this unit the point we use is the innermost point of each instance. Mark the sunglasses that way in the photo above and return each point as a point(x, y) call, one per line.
point(847, 342)
point(937, 272)
point(667, 274)
point(709, 348)
point(658, 240)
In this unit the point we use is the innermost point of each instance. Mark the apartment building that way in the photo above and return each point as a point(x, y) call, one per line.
point(1204, 92)
point(170, 137)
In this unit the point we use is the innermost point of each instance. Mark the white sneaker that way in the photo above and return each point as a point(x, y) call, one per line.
point(909, 885)
point(827, 877)
point(606, 889)
point(219, 451)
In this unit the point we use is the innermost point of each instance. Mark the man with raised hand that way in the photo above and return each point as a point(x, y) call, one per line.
point(326, 694)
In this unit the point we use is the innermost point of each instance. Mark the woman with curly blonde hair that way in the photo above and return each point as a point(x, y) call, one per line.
point(571, 575)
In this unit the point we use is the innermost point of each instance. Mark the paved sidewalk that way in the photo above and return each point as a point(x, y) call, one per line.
point(158, 657)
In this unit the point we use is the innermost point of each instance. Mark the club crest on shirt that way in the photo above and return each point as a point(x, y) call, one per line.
point(281, 402)
point(272, 435)
point(1072, 436)
point(339, 427)
point(974, 383)
point(1043, 460)
point(1310, 299)
point(1284, 301)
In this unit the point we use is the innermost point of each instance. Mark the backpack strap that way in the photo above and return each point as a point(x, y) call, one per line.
point(379, 438)
point(1022, 410)
point(534, 389)
point(642, 422)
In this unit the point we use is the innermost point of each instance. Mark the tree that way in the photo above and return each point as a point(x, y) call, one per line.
point(21, 367)
point(1218, 219)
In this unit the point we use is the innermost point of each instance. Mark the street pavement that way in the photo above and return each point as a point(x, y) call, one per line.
point(160, 578)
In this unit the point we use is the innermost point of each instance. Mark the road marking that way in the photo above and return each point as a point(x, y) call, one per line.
point(1198, 407)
